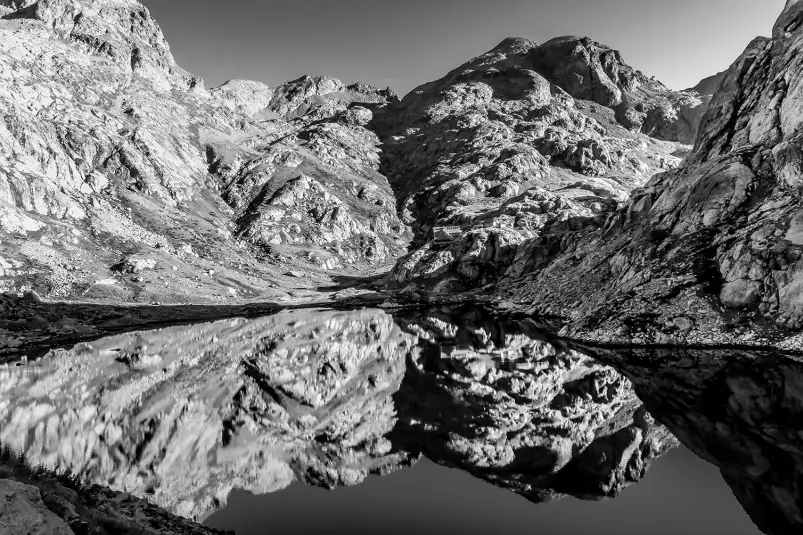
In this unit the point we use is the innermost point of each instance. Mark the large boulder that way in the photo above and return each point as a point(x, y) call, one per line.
point(22, 512)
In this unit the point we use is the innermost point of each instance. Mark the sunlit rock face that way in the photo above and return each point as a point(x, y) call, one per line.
point(183, 415)
point(709, 252)
point(525, 148)
point(108, 149)
point(739, 410)
point(313, 188)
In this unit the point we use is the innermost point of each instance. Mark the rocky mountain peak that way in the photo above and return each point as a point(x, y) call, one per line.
point(789, 22)
point(121, 30)
point(718, 241)
point(589, 70)
point(246, 96)
point(708, 85)
point(514, 45)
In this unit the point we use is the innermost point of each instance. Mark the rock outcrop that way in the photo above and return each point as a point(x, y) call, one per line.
point(108, 149)
point(711, 251)
point(23, 511)
point(183, 415)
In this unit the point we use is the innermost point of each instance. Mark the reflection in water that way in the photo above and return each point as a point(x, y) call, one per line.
point(740, 410)
point(681, 495)
point(498, 399)
point(183, 415)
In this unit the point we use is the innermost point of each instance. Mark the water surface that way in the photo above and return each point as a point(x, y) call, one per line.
point(454, 419)
point(681, 494)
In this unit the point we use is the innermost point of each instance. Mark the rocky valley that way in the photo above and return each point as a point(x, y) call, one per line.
point(545, 269)
point(126, 180)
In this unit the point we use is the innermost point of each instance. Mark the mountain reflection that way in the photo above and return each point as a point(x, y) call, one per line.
point(184, 415)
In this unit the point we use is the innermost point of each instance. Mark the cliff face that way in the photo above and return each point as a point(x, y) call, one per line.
point(710, 251)
point(183, 415)
point(123, 178)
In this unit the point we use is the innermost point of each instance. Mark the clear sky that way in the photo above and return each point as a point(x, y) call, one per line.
point(404, 43)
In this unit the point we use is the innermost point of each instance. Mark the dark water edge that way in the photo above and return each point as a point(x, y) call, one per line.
point(680, 495)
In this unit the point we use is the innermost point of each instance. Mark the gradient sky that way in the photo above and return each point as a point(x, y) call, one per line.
point(405, 43)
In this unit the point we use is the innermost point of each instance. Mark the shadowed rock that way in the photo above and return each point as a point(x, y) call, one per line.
point(737, 409)
point(714, 245)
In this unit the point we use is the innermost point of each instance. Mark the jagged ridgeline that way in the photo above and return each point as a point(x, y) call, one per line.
point(568, 176)
point(123, 178)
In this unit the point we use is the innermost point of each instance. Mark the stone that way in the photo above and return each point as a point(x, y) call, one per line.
point(22, 512)
point(134, 265)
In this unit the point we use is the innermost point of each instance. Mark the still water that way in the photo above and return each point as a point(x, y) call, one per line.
point(681, 494)
point(423, 421)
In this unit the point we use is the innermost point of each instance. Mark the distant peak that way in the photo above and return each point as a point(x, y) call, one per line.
point(572, 39)
point(516, 45)
point(790, 21)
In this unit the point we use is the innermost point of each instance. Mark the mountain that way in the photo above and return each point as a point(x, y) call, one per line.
point(580, 189)
point(524, 145)
point(709, 86)
point(122, 178)
point(709, 252)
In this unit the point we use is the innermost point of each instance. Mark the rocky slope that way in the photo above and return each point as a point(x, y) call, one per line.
point(34, 501)
point(711, 251)
point(183, 415)
point(123, 178)
point(521, 147)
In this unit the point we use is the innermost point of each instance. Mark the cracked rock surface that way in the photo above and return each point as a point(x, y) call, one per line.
point(109, 151)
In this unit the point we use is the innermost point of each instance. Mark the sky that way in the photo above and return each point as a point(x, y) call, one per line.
point(405, 43)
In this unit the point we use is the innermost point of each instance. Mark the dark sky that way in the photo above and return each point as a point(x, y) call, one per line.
point(404, 43)
point(681, 495)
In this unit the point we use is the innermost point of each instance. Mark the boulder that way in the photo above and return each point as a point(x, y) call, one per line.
point(22, 512)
